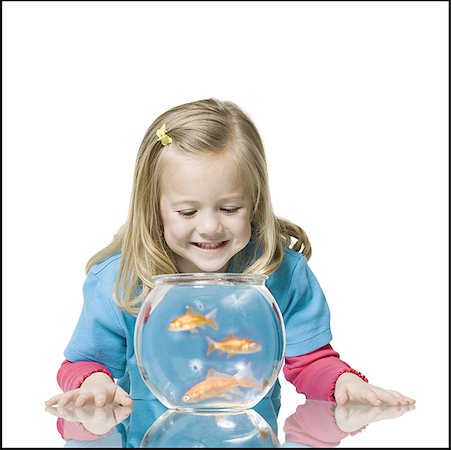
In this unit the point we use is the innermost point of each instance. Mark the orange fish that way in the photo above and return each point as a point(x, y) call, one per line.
point(192, 320)
point(233, 346)
point(217, 384)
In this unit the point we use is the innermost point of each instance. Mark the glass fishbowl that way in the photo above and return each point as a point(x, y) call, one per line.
point(209, 341)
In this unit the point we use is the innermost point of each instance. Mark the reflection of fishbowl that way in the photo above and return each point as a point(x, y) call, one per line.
point(209, 341)
point(207, 430)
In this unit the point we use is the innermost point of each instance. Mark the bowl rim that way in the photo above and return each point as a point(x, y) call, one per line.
point(207, 277)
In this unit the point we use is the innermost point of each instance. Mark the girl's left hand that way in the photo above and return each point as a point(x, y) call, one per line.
point(351, 388)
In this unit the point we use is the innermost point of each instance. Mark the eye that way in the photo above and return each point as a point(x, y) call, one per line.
point(230, 210)
point(187, 212)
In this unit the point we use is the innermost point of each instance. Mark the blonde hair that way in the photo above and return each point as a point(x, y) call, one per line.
point(196, 128)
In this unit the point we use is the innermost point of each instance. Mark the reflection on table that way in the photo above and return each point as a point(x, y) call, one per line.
point(148, 424)
point(205, 430)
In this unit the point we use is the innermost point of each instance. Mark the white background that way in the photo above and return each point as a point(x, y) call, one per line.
point(351, 99)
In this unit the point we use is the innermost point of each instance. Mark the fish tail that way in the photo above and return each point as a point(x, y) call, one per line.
point(251, 382)
point(211, 345)
point(211, 319)
point(212, 324)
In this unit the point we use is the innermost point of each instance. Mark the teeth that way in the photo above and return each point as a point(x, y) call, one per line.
point(210, 246)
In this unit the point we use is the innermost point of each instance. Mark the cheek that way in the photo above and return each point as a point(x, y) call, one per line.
point(175, 230)
point(242, 227)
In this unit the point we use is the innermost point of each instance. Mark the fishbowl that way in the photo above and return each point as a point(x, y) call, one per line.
point(209, 341)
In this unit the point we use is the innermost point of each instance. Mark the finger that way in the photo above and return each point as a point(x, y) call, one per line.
point(53, 400)
point(83, 413)
point(408, 400)
point(101, 399)
point(52, 410)
point(122, 397)
point(67, 398)
point(373, 413)
point(342, 399)
point(66, 413)
point(391, 412)
point(82, 400)
point(401, 410)
point(59, 412)
point(121, 413)
point(372, 398)
point(100, 414)
point(394, 398)
point(398, 399)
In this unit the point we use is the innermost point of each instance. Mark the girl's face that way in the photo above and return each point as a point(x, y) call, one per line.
point(205, 211)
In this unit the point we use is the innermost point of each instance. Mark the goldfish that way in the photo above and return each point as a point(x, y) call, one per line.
point(192, 320)
point(233, 346)
point(217, 384)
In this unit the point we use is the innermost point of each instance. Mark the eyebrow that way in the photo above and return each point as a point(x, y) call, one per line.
point(228, 198)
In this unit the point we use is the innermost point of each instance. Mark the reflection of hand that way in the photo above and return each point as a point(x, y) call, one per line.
point(96, 420)
point(313, 425)
point(354, 416)
point(319, 423)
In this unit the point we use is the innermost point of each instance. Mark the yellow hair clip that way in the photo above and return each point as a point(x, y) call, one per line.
point(162, 136)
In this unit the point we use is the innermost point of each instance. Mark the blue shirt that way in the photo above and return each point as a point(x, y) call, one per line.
point(105, 333)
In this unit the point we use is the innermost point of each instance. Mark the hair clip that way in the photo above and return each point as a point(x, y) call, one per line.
point(162, 136)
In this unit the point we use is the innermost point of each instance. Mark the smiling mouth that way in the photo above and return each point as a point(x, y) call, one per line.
point(210, 245)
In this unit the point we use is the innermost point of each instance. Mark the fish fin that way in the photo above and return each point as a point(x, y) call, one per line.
point(229, 355)
point(211, 345)
point(192, 330)
point(246, 378)
point(211, 319)
point(235, 390)
point(265, 384)
point(212, 373)
point(190, 310)
point(244, 372)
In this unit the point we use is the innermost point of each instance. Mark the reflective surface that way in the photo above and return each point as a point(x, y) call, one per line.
point(148, 424)
point(208, 430)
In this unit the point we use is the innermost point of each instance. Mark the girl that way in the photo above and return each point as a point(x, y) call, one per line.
point(201, 203)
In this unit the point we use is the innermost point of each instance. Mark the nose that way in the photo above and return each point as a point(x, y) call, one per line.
point(209, 224)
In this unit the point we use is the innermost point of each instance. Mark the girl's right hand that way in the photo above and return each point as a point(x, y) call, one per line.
point(97, 420)
point(98, 389)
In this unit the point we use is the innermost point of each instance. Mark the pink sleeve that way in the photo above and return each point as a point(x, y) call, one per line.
point(75, 430)
point(72, 374)
point(315, 374)
point(313, 425)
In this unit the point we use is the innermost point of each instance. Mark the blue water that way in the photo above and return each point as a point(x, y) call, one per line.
point(172, 362)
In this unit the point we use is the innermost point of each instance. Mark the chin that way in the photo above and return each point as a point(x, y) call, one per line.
point(212, 268)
